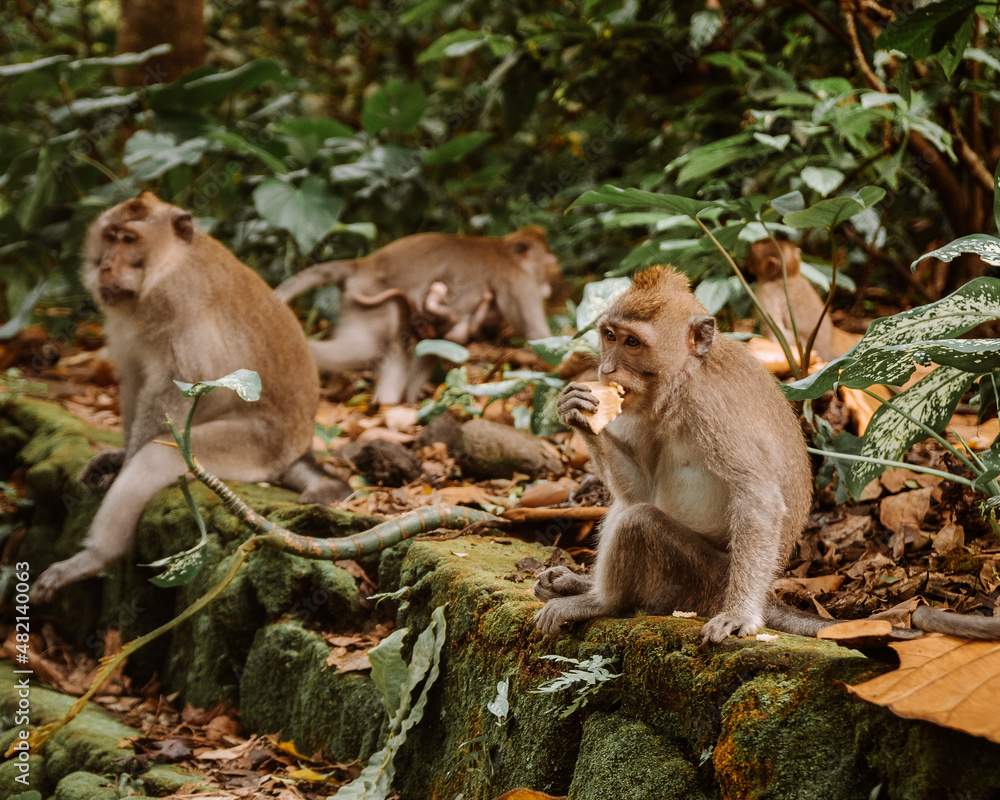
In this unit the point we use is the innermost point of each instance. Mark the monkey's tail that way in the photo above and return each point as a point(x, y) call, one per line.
point(934, 620)
point(316, 275)
point(786, 619)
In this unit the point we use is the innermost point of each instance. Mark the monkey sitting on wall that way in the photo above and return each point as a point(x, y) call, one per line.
point(179, 306)
point(708, 469)
point(488, 280)
point(801, 301)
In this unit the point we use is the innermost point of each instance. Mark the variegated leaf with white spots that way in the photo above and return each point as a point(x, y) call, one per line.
point(932, 400)
point(976, 302)
point(892, 366)
point(986, 247)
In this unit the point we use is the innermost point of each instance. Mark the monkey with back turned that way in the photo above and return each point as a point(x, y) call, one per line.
point(179, 306)
point(488, 280)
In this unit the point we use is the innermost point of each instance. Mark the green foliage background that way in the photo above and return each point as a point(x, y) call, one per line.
point(324, 129)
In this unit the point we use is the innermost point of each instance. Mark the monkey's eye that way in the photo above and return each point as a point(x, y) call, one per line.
point(126, 237)
point(631, 341)
point(110, 236)
point(609, 335)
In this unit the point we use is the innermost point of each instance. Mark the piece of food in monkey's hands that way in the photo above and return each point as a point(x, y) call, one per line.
point(609, 398)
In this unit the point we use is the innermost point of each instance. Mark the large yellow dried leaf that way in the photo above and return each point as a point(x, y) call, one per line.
point(949, 681)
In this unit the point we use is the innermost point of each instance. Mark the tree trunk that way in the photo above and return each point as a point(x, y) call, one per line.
point(145, 23)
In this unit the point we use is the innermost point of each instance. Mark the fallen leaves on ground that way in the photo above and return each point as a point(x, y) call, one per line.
point(948, 681)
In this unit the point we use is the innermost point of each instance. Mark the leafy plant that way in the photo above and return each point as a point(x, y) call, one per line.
point(404, 689)
point(586, 678)
point(484, 750)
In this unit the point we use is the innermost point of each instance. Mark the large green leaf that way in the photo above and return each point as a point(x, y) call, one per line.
point(613, 196)
point(597, 298)
point(893, 365)
point(972, 304)
point(375, 780)
point(245, 382)
point(831, 212)
point(986, 247)
point(308, 212)
point(927, 29)
point(200, 90)
point(450, 351)
point(389, 671)
point(457, 148)
point(395, 106)
point(932, 400)
point(822, 179)
point(149, 155)
point(458, 43)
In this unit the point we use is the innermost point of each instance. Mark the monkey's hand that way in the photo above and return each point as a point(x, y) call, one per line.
point(102, 469)
point(576, 399)
point(560, 582)
point(718, 628)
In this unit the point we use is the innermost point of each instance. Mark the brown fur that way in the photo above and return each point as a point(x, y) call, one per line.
point(706, 464)
point(801, 304)
point(511, 271)
point(185, 308)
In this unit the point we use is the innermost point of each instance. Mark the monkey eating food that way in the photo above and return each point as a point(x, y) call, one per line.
point(709, 475)
point(179, 306)
point(707, 467)
point(487, 280)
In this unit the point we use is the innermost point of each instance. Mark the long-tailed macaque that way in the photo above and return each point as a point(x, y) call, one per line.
point(802, 301)
point(513, 270)
point(435, 320)
point(178, 305)
point(708, 469)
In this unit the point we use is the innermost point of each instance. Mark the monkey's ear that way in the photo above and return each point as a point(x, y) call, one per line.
point(183, 226)
point(701, 334)
point(520, 247)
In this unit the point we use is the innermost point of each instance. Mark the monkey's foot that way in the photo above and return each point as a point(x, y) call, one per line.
point(83, 565)
point(559, 582)
point(101, 471)
point(719, 627)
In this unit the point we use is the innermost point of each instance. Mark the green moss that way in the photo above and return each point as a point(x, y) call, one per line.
point(18, 775)
point(622, 757)
point(86, 786)
point(286, 688)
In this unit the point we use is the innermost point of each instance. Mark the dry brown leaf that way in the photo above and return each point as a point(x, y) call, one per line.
point(950, 537)
point(949, 681)
point(860, 406)
point(463, 495)
point(904, 513)
point(528, 794)
point(548, 493)
point(858, 633)
point(348, 661)
point(897, 478)
point(978, 437)
point(817, 585)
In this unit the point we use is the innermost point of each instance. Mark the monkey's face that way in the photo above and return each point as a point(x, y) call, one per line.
point(628, 359)
point(129, 243)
